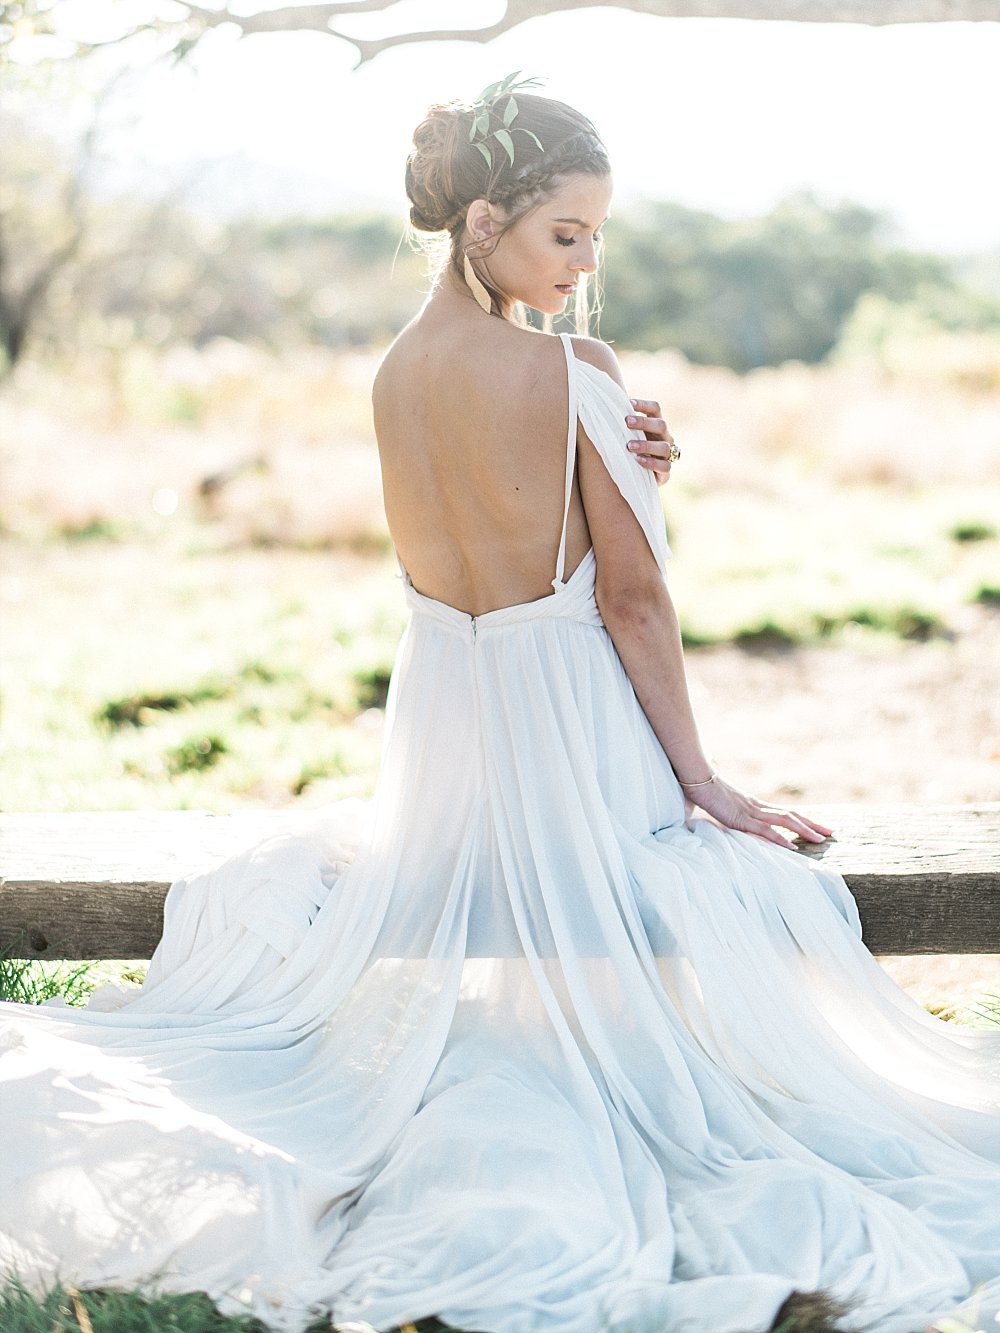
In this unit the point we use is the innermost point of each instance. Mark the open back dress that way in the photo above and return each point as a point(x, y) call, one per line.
point(513, 1045)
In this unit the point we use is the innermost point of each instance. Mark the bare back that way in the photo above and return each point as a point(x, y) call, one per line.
point(472, 443)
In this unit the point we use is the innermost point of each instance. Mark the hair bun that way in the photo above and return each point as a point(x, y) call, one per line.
point(430, 169)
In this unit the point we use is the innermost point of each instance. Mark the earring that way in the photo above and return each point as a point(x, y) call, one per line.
point(476, 287)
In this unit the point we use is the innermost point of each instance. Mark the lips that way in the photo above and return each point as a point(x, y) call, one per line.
point(567, 288)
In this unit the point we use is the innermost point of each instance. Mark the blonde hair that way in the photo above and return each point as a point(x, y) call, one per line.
point(446, 171)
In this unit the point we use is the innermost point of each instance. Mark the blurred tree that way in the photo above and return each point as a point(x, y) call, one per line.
point(78, 270)
point(43, 220)
point(754, 291)
point(66, 252)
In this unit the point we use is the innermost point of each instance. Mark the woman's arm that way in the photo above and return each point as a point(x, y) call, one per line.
point(637, 609)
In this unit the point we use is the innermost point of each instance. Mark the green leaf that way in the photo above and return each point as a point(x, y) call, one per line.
point(510, 111)
point(489, 92)
point(487, 154)
point(518, 129)
point(482, 125)
point(504, 139)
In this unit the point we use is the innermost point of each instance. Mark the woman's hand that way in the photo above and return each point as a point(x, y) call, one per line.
point(654, 454)
point(734, 810)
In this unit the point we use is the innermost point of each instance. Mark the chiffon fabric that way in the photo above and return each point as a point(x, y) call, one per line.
point(514, 1045)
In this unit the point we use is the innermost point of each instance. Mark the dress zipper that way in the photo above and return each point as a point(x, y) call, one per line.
point(473, 619)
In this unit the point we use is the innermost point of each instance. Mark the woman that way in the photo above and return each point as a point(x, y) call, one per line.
point(541, 1054)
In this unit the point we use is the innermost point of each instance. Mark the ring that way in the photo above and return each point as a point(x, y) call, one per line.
point(674, 454)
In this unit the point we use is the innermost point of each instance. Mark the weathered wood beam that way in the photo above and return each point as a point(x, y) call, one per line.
point(927, 879)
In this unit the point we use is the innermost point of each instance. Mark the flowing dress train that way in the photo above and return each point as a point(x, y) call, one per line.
point(513, 1045)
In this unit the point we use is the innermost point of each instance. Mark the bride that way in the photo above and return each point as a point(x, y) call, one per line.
point(527, 1045)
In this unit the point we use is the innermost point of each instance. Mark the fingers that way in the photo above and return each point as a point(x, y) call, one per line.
point(646, 417)
point(649, 407)
point(763, 830)
point(805, 828)
point(654, 428)
point(653, 453)
point(820, 828)
point(802, 828)
point(659, 466)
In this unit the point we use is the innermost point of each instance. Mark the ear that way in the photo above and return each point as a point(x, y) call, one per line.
point(479, 221)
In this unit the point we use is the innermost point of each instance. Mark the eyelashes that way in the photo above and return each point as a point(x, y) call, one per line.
point(571, 240)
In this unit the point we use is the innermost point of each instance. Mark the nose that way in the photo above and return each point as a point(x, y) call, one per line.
point(585, 257)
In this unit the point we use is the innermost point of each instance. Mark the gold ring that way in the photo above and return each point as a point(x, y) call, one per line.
point(674, 454)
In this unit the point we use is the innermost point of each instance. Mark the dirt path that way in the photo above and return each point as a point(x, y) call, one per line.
point(874, 719)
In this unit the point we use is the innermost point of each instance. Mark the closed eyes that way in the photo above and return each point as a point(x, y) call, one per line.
point(571, 240)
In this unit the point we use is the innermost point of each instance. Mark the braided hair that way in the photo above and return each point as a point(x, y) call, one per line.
point(446, 169)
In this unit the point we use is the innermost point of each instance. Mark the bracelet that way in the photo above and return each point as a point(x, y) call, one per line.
point(703, 783)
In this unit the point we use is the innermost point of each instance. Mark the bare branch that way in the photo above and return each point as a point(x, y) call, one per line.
point(324, 17)
point(801, 11)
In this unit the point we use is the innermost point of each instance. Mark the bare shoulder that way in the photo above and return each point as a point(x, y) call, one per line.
point(385, 375)
point(599, 354)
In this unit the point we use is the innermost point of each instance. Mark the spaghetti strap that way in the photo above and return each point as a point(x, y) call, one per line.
point(571, 372)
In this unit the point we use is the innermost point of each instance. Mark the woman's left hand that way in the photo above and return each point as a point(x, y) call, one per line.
point(734, 809)
point(654, 453)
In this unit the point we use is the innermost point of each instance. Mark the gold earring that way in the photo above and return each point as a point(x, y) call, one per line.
point(476, 287)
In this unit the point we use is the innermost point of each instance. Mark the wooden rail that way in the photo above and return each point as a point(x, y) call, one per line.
point(926, 878)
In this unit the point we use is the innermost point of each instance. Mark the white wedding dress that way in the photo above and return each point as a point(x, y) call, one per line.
point(515, 1045)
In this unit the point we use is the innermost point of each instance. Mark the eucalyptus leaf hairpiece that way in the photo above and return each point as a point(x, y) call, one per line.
point(482, 114)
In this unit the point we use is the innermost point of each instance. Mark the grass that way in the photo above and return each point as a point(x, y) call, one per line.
point(194, 670)
point(65, 1309)
point(189, 677)
point(35, 980)
point(182, 680)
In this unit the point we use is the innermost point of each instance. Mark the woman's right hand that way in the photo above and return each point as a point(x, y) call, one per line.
point(653, 452)
point(734, 809)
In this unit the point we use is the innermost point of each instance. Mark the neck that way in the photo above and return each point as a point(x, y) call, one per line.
point(452, 290)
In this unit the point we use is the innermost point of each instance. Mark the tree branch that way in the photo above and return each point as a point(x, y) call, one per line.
point(323, 17)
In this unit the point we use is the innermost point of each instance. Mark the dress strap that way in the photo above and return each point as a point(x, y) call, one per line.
point(571, 380)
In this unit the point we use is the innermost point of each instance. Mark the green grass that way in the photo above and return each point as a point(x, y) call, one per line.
point(192, 679)
point(803, 568)
point(972, 530)
point(34, 980)
point(193, 673)
point(65, 1309)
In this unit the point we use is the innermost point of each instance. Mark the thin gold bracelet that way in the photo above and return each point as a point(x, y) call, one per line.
point(703, 783)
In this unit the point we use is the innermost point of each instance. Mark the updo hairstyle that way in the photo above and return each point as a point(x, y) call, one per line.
point(446, 171)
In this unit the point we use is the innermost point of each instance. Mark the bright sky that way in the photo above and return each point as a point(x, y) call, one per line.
point(722, 114)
